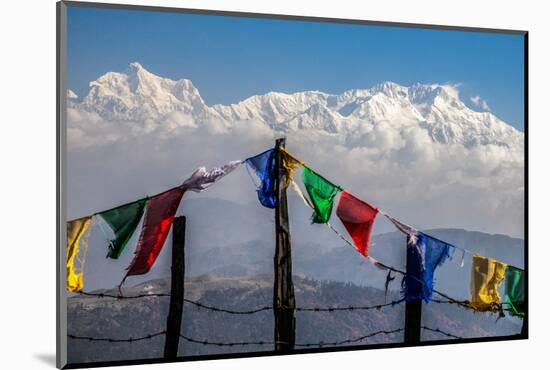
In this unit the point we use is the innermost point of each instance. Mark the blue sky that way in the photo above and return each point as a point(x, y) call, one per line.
point(231, 58)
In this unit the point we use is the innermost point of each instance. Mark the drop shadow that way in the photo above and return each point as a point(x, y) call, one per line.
point(46, 358)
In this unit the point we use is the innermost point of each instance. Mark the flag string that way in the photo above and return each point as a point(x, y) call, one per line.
point(296, 187)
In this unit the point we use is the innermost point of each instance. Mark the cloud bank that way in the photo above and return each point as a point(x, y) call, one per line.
point(397, 168)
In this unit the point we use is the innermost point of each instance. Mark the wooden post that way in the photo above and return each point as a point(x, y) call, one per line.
point(175, 313)
point(413, 320)
point(413, 316)
point(284, 304)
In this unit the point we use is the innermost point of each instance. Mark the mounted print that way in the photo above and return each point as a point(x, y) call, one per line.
point(234, 184)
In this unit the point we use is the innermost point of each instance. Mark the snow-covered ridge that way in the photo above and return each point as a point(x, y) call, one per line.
point(141, 96)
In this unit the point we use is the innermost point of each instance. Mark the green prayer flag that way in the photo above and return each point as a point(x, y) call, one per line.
point(515, 290)
point(321, 194)
point(123, 221)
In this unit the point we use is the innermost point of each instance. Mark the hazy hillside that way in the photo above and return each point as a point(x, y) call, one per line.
point(320, 254)
point(246, 247)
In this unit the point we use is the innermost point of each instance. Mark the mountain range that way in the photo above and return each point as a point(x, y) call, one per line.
point(139, 95)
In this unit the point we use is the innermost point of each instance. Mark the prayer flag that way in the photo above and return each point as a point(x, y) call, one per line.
point(487, 274)
point(77, 239)
point(514, 287)
point(410, 231)
point(263, 165)
point(358, 218)
point(160, 213)
point(202, 179)
point(290, 164)
point(321, 194)
point(123, 221)
point(423, 256)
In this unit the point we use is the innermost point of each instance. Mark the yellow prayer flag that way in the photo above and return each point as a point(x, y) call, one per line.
point(77, 238)
point(487, 274)
point(290, 164)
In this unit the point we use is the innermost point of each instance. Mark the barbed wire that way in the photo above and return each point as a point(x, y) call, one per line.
point(349, 308)
point(120, 296)
point(247, 312)
point(441, 332)
point(449, 300)
point(496, 308)
point(346, 341)
point(231, 344)
point(233, 312)
point(225, 344)
point(114, 340)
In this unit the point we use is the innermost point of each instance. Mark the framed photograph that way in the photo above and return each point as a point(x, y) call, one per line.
point(234, 184)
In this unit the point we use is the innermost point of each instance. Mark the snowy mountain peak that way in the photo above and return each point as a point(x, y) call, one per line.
point(391, 89)
point(136, 66)
point(71, 94)
point(141, 96)
point(138, 94)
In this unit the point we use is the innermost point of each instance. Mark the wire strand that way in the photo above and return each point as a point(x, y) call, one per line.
point(246, 312)
point(347, 341)
point(441, 332)
point(230, 344)
point(113, 340)
point(349, 308)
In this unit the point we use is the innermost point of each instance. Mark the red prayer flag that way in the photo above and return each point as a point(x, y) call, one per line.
point(358, 218)
point(160, 213)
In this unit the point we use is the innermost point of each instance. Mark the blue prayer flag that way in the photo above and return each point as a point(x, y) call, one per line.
point(424, 254)
point(263, 165)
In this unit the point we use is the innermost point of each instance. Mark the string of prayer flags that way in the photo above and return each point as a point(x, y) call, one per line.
point(358, 219)
point(410, 231)
point(321, 195)
point(263, 165)
point(487, 274)
point(372, 260)
point(290, 164)
point(160, 213)
point(77, 239)
point(123, 221)
point(514, 288)
point(424, 255)
point(202, 179)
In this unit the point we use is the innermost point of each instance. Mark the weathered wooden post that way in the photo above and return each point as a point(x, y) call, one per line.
point(175, 313)
point(284, 304)
point(413, 320)
point(413, 317)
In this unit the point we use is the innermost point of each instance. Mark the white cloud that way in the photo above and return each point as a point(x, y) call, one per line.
point(479, 102)
point(399, 169)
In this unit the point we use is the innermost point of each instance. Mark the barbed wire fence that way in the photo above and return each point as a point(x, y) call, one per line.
point(257, 343)
point(320, 344)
